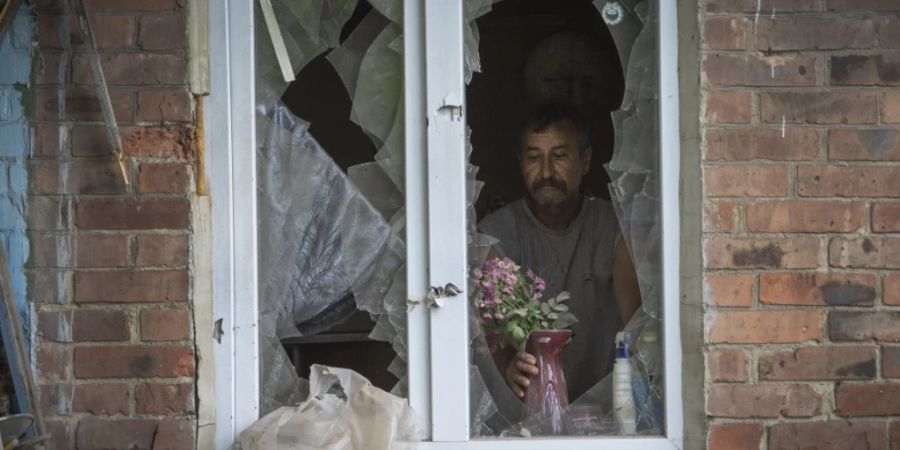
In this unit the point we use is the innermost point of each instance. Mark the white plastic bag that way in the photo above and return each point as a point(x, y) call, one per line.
point(344, 412)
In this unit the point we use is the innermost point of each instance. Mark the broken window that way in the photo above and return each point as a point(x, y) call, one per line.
point(332, 190)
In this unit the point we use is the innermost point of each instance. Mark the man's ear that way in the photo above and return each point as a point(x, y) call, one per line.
point(586, 160)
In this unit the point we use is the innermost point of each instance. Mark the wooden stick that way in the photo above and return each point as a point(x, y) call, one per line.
point(7, 14)
point(106, 107)
point(15, 345)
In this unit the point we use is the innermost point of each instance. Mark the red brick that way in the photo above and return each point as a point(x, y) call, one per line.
point(55, 326)
point(727, 107)
point(163, 178)
point(743, 401)
point(890, 362)
point(818, 107)
point(80, 104)
point(885, 217)
point(52, 361)
point(726, 69)
point(133, 362)
point(890, 107)
point(864, 326)
point(175, 434)
point(889, 32)
point(50, 250)
point(102, 399)
point(848, 181)
point(727, 366)
point(865, 70)
point(892, 289)
point(735, 436)
point(91, 140)
point(125, 214)
point(745, 180)
point(49, 287)
point(726, 33)
point(764, 327)
point(50, 140)
point(792, 144)
point(161, 105)
point(48, 213)
point(100, 325)
point(55, 399)
point(828, 436)
point(718, 217)
point(133, 69)
point(130, 287)
point(819, 363)
point(805, 217)
point(793, 253)
point(162, 250)
point(101, 251)
point(132, 5)
point(48, 6)
point(813, 33)
point(162, 32)
point(110, 31)
point(46, 71)
point(163, 399)
point(863, 145)
point(77, 177)
point(97, 433)
point(862, 5)
point(867, 399)
point(817, 289)
point(60, 431)
point(869, 253)
point(728, 290)
point(165, 324)
point(764, 6)
point(159, 142)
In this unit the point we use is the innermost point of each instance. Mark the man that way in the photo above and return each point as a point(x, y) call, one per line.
point(572, 241)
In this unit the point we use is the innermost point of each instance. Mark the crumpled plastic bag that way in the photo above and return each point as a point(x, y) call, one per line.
point(343, 412)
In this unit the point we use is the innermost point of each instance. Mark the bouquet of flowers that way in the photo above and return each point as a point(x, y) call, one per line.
point(510, 302)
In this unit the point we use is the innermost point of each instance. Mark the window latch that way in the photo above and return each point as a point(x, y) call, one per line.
point(218, 331)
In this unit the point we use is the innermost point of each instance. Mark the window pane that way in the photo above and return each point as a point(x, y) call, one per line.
point(564, 130)
point(330, 199)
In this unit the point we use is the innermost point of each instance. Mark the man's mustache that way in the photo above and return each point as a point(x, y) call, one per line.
point(549, 183)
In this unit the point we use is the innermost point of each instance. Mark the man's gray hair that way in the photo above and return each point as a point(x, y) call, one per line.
point(547, 115)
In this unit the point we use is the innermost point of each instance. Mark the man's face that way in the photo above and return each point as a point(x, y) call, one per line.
point(552, 165)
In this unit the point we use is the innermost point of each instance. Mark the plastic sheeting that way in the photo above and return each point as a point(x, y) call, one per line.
point(331, 243)
point(344, 412)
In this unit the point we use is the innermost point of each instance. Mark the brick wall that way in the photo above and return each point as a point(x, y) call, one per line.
point(801, 251)
point(109, 269)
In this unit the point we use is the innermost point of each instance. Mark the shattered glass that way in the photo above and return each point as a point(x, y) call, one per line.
point(332, 241)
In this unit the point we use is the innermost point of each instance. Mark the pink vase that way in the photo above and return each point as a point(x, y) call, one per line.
point(546, 396)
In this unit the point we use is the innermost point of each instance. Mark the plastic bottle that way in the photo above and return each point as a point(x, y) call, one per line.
point(623, 396)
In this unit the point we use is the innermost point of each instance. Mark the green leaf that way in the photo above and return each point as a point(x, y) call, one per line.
point(545, 308)
point(561, 308)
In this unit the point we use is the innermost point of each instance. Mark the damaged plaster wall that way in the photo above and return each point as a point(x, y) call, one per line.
point(15, 144)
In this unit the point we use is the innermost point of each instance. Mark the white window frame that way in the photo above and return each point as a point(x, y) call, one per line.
point(436, 241)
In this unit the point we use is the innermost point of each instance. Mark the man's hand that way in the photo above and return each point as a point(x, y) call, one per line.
point(522, 366)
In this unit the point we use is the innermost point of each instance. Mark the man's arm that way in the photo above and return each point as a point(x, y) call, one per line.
point(625, 281)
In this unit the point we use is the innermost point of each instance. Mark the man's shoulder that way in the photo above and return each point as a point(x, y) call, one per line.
point(501, 218)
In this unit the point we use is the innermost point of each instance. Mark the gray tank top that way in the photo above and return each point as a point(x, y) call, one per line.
point(579, 260)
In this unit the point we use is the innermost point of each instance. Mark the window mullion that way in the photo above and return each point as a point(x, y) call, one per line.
point(446, 167)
